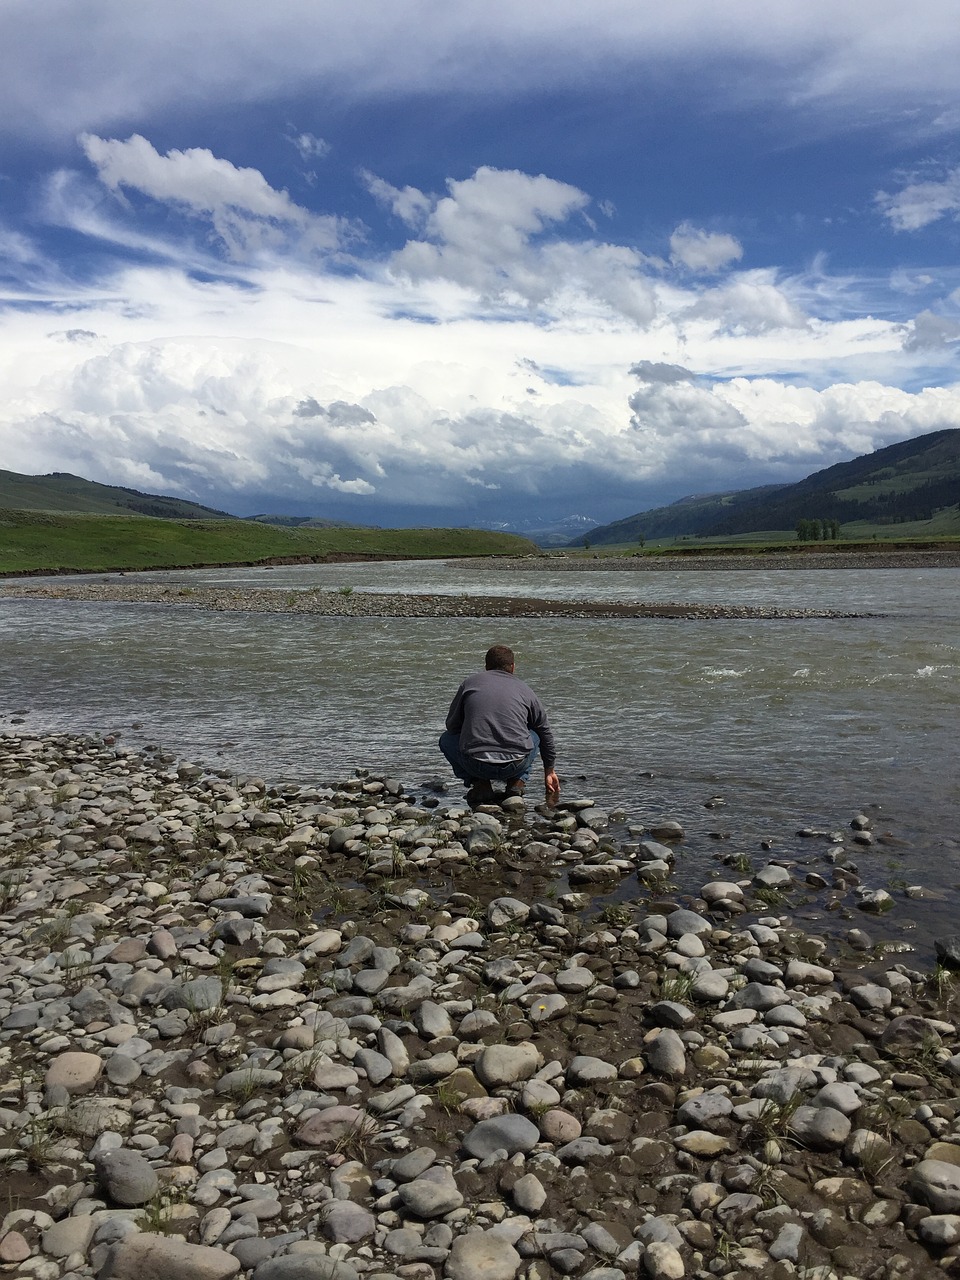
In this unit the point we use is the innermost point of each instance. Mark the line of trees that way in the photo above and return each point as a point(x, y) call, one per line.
point(818, 530)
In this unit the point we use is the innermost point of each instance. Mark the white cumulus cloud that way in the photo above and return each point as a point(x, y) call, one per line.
point(408, 204)
point(749, 302)
point(245, 211)
point(495, 234)
point(703, 251)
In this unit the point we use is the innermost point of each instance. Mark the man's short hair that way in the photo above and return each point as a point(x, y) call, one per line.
point(499, 658)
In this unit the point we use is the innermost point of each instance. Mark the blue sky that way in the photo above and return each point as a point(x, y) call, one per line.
point(432, 263)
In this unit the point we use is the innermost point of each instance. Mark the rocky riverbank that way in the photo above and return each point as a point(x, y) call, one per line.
point(354, 1031)
point(347, 603)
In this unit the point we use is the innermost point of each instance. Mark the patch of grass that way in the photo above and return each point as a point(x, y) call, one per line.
point(332, 899)
point(74, 971)
point(354, 1143)
point(56, 930)
point(941, 983)
point(768, 896)
point(773, 1121)
point(766, 1185)
point(616, 913)
point(157, 1214)
point(31, 540)
point(10, 884)
point(874, 1158)
point(447, 1098)
point(924, 1058)
point(245, 1090)
point(676, 985)
point(885, 1114)
point(41, 1141)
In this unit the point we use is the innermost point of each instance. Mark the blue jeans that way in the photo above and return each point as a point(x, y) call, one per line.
point(469, 770)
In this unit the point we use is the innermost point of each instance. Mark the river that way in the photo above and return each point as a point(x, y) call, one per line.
point(793, 723)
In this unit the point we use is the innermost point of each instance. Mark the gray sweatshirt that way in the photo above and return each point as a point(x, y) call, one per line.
point(493, 712)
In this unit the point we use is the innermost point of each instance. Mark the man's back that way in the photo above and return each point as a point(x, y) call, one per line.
point(494, 711)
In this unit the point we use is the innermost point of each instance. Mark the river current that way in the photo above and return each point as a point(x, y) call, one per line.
point(793, 723)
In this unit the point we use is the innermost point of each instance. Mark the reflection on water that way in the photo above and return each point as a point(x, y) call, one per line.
point(795, 723)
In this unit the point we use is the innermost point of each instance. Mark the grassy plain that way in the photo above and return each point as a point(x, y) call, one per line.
point(41, 542)
point(856, 535)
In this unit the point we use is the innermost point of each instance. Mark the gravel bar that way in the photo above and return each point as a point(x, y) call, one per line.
point(362, 604)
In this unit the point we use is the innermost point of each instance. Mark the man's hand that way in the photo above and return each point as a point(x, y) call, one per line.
point(551, 784)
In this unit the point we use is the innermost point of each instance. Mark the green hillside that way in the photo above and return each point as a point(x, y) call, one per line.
point(43, 542)
point(915, 483)
point(60, 491)
point(302, 522)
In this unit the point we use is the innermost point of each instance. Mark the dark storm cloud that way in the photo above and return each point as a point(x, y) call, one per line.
point(654, 371)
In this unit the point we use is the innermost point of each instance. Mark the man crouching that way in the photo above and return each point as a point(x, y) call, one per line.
point(495, 726)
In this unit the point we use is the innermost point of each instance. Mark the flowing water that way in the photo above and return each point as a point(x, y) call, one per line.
point(794, 723)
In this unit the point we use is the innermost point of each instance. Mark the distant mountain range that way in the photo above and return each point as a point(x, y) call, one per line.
point(912, 481)
point(909, 481)
point(543, 531)
point(63, 492)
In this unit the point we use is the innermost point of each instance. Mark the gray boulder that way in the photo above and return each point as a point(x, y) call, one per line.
point(127, 1179)
point(510, 1133)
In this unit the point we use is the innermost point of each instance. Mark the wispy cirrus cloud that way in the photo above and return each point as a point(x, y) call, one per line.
point(921, 202)
point(116, 62)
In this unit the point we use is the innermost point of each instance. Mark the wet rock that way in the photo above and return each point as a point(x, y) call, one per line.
point(940, 1230)
point(304, 1266)
point(683, 921)
point(907, 1033)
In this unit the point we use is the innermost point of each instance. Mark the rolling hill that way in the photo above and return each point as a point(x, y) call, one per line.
point(60, 491)
point(913, 481)
point(60, 523)
point(34, 542)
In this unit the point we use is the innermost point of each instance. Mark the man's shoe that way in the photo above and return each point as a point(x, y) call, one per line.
point(515, 788)
point(481, 792)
